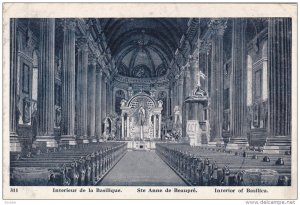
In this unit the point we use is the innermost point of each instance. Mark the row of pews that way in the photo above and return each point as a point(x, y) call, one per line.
point(212, 166)
point(77, 166)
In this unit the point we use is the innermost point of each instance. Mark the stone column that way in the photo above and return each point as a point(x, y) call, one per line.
point(175, 95)
point(128, 126)
point(123, 126)
point(112, 98)
point(180, 91)
point(169, 102)
point(218, 27)
point(112, 104)
point(103, 101)
point(107, 95)
point(239, 86)
point(194, 73)
point(68, 84)
point(159, 125)
point(113, 91)
point(82, 91)
point(99, 98)
point(154, 125)
point(45, 135)
point(92, 97)
point(279, 72)
point(15, 145)
point(108, 101)
point(185, 106)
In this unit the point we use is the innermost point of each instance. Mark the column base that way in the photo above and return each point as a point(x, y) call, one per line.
point(216, 143)
point(93, 139)
point(277, 145)
point(237, 143)
point(68, 140)
point(45, 141)
point(83, 140)
point(101, 139)
point(15, 145)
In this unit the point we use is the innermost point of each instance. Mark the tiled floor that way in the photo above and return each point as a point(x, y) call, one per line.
point(141, 168)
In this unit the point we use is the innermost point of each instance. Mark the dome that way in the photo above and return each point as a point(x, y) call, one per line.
point(143, 47)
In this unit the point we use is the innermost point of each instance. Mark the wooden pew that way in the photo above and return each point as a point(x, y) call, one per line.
point(82, 166)
point(211, 166)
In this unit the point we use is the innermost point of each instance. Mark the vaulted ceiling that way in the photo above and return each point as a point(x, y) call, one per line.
point(143, 47)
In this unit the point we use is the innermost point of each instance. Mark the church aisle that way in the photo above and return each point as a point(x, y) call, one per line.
point(139, 168)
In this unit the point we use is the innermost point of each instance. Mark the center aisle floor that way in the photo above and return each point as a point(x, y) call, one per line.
point(141, 168)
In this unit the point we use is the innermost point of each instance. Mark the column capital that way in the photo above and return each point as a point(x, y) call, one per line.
point(193, 58)
point(217, 26)
point(180, 79)
point(69, 24)
point(92, 59)
point(204, 46)
point(82, 43)
point(105, 79)
point(100, 71)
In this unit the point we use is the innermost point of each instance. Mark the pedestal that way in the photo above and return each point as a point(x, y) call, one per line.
point(277, 145)
point(142, 132)
point(68, 140)
point(45, 141)
point(193, 132)
point(216, 143)
point(237, 143)
point(15, 145)
point(93, 139)
point(82, 141)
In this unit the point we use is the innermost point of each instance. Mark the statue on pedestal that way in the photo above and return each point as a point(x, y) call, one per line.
point(177, 115)
point(141, 115)
point(106, 128)
point(142, 120)
point(123, 103)
point(160, 103)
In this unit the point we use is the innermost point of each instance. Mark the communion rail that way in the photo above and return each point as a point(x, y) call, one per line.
point(80, 166)
point(206, 166)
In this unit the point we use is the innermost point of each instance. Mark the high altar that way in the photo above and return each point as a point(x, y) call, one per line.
point(141, 118)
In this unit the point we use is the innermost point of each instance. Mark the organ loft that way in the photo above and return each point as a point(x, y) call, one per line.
point(93, 98)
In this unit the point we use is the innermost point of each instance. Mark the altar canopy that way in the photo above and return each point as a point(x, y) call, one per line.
point(141, 118)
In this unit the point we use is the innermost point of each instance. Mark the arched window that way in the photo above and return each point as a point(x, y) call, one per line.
point(249, 80)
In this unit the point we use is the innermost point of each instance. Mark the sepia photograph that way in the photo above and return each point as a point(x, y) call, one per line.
point(149, 102)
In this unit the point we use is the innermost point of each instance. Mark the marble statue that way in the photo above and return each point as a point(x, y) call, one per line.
point(160, 103)
point(141, 115)
point(123, 103)
point(177, 115)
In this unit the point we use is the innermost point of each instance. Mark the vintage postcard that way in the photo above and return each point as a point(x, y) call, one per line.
point(149, 101)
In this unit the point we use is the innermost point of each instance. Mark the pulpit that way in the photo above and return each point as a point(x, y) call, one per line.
point(197, 127)
point(193, 131)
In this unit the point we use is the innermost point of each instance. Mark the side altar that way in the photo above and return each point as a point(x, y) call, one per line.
point(141, 118)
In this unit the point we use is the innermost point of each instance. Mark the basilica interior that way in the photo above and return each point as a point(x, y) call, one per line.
point(206, 100)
